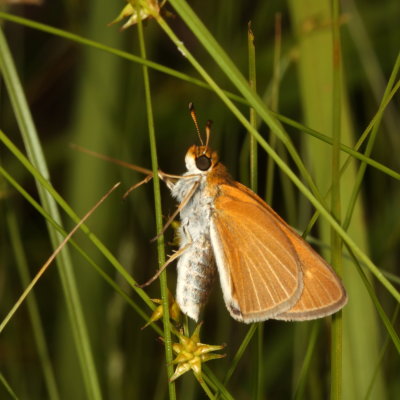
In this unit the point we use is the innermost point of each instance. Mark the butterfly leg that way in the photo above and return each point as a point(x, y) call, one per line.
point(176, 255)
point(178, 209)
point(136, 185)
point(168, 179)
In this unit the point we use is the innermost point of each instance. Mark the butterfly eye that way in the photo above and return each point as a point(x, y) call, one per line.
point(203, 163)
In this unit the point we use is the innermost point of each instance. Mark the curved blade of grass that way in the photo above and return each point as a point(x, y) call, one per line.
point(68, 281)
point(111, 50)
point(187, 78)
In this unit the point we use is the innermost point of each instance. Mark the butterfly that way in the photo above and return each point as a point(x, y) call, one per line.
point(266, 270)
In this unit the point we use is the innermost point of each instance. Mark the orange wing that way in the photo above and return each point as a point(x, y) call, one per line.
point(258, 266)
point(258, 271)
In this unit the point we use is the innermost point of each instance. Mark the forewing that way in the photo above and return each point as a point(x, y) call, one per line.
point(258, 266)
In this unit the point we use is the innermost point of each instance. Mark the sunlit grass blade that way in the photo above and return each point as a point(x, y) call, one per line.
point(34, 150)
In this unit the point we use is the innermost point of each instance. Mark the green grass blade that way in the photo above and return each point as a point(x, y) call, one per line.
point(300, 386)
point(8, 387)
point(159, 217)
point(184, 77)
point(111, 50)
point(252, 119)
point(33, 308)
point(34, 151)
point(336, 241)
point(370, 145)
point(104, 275)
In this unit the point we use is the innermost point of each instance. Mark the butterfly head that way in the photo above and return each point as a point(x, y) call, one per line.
point(200, 159)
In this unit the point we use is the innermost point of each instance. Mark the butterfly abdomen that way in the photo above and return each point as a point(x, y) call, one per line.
point(196, 273)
